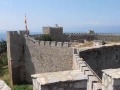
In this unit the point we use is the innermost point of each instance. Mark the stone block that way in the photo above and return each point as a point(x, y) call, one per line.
point(66, 44)
point(97, 86)
point(47, 43)
point(42, 43)
point(81, 65)
point(91, 80)
point(85, 69)
point(53, 43)
point(89, 73)
point(80, 62)
point(59, 44)
point(79, 59)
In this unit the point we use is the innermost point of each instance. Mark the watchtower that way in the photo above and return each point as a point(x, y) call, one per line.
point(56, 32)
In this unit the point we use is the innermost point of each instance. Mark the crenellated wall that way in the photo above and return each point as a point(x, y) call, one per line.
point(87, 36)
point(62, 80)
point(15, 54)
point(93, 82)
point(47, 57)
point(27, 56)
point(49, 43)
point(95, 36)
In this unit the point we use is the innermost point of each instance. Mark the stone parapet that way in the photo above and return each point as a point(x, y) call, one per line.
point(62, 80)
point(49, 43)
point(80, 64)
point(111, 79)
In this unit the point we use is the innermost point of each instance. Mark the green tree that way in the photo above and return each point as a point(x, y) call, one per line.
point(45, 37)
point(3, 46)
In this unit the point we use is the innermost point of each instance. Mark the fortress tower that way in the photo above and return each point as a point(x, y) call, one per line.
point(56, 32)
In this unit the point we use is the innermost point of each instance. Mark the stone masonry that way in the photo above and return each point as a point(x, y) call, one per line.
point(26, 56)
point(62, 80)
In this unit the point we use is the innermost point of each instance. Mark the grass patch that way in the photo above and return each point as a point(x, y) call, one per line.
point(4, 74)
point(22, 87)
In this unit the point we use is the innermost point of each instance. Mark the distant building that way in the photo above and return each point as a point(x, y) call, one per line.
point(90, 32)
point(56, 32)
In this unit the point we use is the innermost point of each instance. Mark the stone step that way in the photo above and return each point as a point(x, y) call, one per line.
point(82, 65)
point(97, 86)
point(91, 81)
point(85, 69)
point(89, 73)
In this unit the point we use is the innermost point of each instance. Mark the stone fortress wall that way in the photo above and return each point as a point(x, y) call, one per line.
point(56, 32)
point(94, 36)
point(100, 58)
point(93, 82)
point(58, 35)
point(15, 54)
point(27, 56)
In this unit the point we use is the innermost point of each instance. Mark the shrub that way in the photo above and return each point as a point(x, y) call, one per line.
point(3, 46)
point(22, 87)
point(3, 59)
point(45, 37)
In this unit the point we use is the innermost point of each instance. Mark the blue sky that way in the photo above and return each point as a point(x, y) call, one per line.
point(73, 15)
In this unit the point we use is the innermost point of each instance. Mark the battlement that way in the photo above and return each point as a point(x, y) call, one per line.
point(15, 33)
point(49, 27)
point(94, 82)
point(49, 43)
point(91, 33)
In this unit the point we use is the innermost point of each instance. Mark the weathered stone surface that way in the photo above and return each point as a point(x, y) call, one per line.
point(62, 80)
point(27, 57)
point(53, 43)
point(97, 86)
point(59, 44)
point(3, 86)
point(101, 57)
point(111, 79)
point(65, 44)
point(39, 59)
point(80, 84)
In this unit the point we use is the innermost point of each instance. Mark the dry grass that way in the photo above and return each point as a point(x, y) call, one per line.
point(86, 44)
point(111, 42)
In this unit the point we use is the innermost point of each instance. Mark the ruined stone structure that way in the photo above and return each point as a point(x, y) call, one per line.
point(27, 56)
point(58, 35)
point(43, 60)
point(56, 32)
point(92, 36)
point(62, 80)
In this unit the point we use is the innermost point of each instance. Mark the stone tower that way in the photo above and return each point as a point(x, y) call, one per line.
point(56, 32)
